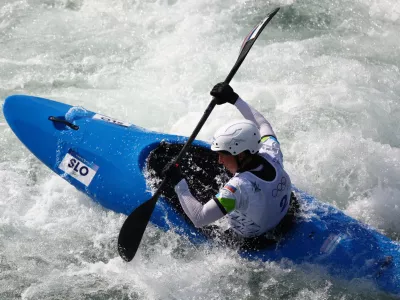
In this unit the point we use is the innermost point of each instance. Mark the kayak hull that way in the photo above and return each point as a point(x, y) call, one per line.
point(107, 160)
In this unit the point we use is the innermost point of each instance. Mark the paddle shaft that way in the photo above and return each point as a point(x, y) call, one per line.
point(203, 119)
point(134, 226)
point(212, 104)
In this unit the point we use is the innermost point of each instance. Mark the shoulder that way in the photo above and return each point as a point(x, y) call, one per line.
point(271, 146)
point(269, 140)
point(234, 194)
point(239, 180)
point(235, 187)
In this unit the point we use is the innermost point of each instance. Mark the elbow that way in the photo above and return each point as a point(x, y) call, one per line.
point(198, 224)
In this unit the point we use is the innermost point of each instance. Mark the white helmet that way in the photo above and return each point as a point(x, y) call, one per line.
point(236, 137)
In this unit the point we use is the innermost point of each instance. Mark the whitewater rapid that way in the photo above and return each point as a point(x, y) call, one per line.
point(325, 74)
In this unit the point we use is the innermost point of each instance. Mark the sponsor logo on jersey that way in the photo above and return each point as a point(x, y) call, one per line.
point(255, 186)
point(280, 187)
point(111, 120)
point(77, 167)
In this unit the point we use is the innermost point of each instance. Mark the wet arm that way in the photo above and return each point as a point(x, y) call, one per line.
point(198, 213)
point(252, 114)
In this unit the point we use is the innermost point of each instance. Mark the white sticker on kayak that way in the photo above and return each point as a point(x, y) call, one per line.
point(79, 168)
point(331, 243)
point(111, 120)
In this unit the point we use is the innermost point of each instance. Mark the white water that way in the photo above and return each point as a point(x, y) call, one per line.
point(325, 73)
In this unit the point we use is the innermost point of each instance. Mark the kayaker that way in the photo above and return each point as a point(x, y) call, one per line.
point(258, 195)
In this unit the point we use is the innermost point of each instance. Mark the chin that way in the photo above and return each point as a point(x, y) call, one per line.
point(232, 171)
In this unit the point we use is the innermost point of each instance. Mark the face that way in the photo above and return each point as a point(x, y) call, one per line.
point(228, 161)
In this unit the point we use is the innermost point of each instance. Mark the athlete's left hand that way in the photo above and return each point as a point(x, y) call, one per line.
point(224, 93)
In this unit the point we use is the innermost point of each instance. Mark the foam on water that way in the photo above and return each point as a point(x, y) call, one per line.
point(325, 74)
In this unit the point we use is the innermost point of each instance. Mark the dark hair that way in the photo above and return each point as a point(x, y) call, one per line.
point(250, 161)
point(247, 152)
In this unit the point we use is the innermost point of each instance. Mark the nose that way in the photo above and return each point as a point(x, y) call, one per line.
point(220, 160)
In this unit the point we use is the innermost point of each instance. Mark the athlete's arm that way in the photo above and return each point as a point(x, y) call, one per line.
point(198, 213)
point(252, 114)
point(224, 93)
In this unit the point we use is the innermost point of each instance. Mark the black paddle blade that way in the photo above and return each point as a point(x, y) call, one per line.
point(249, 41)
point(254, 33)
point(133, 229)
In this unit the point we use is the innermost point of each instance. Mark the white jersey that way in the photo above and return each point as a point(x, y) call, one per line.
point(253, 205)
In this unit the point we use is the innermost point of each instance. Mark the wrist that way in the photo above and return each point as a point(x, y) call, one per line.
point(234, 99)
point(181, 186)
point(238, 101)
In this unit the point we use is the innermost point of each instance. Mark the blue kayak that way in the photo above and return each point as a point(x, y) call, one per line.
point(116, 163)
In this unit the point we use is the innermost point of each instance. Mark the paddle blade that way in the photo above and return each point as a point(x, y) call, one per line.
point(254, 33)
point(249, 41)
point(133, 229)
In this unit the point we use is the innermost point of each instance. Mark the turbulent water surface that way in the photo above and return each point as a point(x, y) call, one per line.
point(325, 73)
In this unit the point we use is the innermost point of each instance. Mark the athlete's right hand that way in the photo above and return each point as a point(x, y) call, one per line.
point(224, 93)
point(173, 173)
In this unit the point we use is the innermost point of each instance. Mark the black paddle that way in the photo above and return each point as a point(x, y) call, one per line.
point(134, 226)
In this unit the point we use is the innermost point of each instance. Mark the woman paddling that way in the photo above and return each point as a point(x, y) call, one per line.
point(257, 197)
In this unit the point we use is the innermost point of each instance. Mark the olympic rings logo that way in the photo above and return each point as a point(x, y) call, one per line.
point(281, 187)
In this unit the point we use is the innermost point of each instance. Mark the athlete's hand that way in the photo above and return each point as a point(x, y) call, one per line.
point(223, 93)
point(173, 173)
